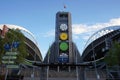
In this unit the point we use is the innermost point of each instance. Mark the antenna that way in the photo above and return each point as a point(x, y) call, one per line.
point(64, 7)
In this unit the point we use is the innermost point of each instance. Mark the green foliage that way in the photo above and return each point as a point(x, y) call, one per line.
point(11, 36)
point(1, 48)
point(113, 56)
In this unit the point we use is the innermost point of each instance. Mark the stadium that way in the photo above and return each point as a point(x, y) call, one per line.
point(63, 60)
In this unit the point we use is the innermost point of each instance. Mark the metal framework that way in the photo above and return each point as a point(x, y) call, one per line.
point(26, 32)
point(100, 33)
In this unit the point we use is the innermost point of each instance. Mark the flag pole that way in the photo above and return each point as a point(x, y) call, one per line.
point(64, 7)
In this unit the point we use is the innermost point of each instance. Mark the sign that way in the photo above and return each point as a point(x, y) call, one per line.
point(8, 62)
point(7, 47)
point(12, 66)
point(11, 53)
point(15, 44)
point(9, 57)
point(63, 60)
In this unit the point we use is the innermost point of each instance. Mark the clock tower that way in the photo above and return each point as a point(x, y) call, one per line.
point(63, 37)
point(63, 50)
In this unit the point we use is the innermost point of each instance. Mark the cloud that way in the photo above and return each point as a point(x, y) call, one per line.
point(79, 28)
point(75, 37)
point(81, 32)
point(50, 33)
point(84, 31)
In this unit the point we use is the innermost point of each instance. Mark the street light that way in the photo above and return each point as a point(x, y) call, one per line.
point(97, 75)
point(76, 66)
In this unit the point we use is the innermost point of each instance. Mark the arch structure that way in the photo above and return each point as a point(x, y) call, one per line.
point(100, 33)
point(100, 42)
point(31, 43)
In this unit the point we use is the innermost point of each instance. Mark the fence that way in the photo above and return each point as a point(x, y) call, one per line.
point(110, 73)
point(26, 73)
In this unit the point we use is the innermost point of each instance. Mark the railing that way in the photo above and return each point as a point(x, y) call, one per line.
point(90, 74)
point(24, 74)
point(110, 73)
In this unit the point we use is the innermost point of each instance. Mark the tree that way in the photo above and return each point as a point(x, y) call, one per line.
point(11, 36)
point(112, 60)
point(113, 56)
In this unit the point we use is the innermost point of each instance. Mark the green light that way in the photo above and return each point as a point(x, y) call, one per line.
point(63, 46)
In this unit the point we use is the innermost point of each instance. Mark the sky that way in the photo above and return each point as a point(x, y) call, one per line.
point(38, 16)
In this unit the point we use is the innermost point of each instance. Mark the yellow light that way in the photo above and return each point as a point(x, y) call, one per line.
point(63, 36)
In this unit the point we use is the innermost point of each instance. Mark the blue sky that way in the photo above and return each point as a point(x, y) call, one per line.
point(38, 16)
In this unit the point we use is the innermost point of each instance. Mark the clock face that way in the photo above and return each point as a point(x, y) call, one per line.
point(63, 27)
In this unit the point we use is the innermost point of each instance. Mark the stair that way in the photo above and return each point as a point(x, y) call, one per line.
point(63, 75)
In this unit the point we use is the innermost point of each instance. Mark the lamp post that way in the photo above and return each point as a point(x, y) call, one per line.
point(97, 75)
point(33, 73)
point(48, 62)
point(76, 66)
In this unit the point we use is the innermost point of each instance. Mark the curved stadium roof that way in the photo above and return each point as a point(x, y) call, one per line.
point(100, 33)
point(99, 44)
point(27, 33)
